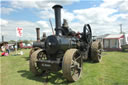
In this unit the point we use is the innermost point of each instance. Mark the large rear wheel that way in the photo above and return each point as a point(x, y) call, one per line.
point(72, 65)
point(96, 50)
point(32, 50)
point(35, 56)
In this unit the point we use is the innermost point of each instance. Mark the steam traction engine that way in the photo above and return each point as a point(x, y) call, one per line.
point(65, 50)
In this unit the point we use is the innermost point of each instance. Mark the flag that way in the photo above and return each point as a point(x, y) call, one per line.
point(19, 31)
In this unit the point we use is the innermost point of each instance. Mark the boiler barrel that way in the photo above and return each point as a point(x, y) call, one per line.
point(38, 44)
point(55, 44)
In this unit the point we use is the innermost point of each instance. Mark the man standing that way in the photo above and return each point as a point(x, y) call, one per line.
point(7, 48)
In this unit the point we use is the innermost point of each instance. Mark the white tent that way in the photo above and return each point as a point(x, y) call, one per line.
point(113, 41)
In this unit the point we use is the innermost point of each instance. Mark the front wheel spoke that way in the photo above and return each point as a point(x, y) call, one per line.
point(76, 72)
point(73, 61)
point(73, 72)
point(72, 66)
point(99, 54)
point(77, 58)
point(79, 68)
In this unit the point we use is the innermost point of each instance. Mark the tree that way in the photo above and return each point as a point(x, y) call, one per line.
point(26, 41)
point(11, 41)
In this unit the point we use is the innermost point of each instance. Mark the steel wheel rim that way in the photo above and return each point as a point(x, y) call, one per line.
point(76, 66)
point(71, 66)
point(33, 65)
point(96, 50)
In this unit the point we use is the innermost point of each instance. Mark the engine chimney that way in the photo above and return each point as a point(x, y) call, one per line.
point(38, 34)
point(57, 9)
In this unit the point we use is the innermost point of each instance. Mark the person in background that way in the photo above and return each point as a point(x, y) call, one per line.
point(7, 48)
point(3, 47)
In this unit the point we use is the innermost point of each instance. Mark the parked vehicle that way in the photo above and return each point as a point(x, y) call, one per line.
point(64, 51)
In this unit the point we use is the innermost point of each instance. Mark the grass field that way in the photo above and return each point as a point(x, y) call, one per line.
point(113, 70)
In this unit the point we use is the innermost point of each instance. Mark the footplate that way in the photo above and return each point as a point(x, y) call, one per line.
point(49, 65)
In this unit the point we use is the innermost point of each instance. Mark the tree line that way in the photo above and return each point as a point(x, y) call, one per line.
point(24, 41)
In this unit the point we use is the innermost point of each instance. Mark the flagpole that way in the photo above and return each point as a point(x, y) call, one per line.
point(18, 34)
point(16, 44)
point(16, 40)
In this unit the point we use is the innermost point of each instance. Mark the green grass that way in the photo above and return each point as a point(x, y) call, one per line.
point(113, 70)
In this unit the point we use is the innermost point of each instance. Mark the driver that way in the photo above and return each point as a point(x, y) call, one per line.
point(66, 30)
point(44, 37)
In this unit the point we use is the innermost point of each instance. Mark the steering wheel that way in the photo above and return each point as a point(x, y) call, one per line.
point(87, 34)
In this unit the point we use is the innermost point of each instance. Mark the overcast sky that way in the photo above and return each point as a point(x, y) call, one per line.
point(104, 16)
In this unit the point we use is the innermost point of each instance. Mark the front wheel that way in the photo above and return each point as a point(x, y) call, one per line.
point(72, 65)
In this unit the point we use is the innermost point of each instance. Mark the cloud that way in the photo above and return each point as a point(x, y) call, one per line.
point(105, 29)
point(39, 4)
point(45, 27)
point(76, 26)
point(29, 29)
point(96, 15)
point(104, 19)
point(43, 24)
point(42, 5)
point(110, 3)
point(100, 29)
point(19, 4)
point(49, 14)
point(46, 14)
point(3, 22)
point(121, 5)
point(67, 15)
point(124, 6)
point(5, 10)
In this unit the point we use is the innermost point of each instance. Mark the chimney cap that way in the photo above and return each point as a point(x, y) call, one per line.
point(37, 28)
point(56, 6)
